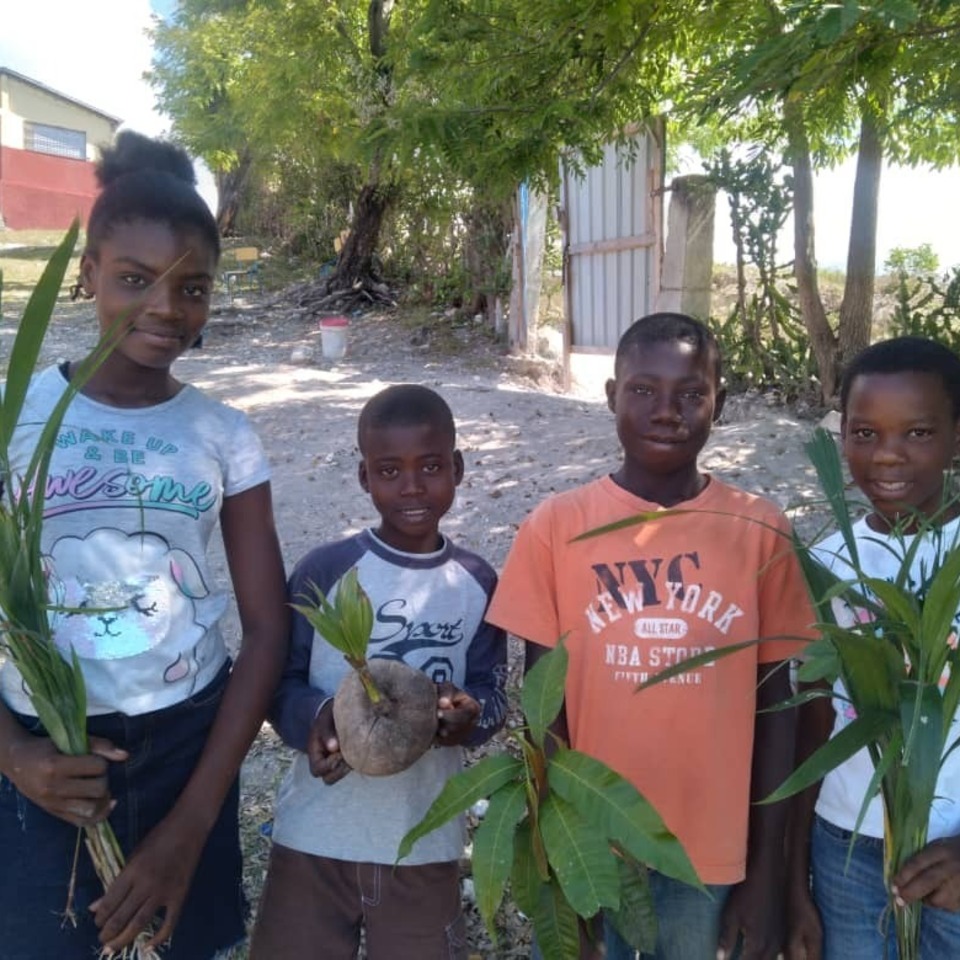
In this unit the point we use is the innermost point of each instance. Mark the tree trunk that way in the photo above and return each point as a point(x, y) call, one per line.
point(231, 186)
point(486, 247)
point(355, 264)
point(822, 339)
point(856, 310)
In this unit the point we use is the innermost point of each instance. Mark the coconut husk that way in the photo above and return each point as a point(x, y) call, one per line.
point(384, 738)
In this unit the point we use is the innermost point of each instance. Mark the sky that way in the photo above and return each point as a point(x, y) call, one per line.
point(98, 50)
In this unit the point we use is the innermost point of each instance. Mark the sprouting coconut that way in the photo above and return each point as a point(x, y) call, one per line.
point(385, 711)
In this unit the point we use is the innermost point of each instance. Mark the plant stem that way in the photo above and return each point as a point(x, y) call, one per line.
point(107, 857)
point(907, 920)
point(369, 685)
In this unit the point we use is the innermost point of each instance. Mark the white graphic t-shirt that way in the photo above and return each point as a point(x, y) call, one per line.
point(844, 788)
point(132, 498)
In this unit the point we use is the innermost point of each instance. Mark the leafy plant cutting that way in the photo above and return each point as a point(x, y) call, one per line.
point(569, 835)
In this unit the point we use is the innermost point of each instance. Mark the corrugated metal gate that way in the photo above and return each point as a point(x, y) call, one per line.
point(612, 222)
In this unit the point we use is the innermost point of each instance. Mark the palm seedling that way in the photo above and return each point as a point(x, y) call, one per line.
point(385, 711)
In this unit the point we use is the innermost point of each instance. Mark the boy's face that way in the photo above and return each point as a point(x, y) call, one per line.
point(411, 473)
point(665, 397)
point(899, 436)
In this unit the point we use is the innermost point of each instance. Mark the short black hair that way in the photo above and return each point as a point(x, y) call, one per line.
point(406, 405)
point(668, 328)
point(146, 179)
point(906, 355)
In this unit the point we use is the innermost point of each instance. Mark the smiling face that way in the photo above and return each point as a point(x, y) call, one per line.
point(899, 437)
point(665, 397)
point(162, 311)
point(411, 473)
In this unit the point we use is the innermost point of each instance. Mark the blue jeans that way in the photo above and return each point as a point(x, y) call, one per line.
point(36, 850)
point(688, 923)
point(853, 902)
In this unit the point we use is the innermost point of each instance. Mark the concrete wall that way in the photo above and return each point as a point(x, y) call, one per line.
point(37, 190)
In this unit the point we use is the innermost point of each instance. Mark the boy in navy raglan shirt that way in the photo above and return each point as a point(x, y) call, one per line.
point(336, 831)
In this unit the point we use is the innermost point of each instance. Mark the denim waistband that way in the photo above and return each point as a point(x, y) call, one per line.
point(846, 835)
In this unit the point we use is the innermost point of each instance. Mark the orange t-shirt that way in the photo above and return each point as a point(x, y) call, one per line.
point(639, 599)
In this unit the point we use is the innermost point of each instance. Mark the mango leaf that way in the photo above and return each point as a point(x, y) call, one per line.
point(580, 857)
point(636, 919)
point(555, 924)
point(861, 732)
point(493, 849)
point(621, 814)
point(525, 879)
point(461, 791)
point(542, 693)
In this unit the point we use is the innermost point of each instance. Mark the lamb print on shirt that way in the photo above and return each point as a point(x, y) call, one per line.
point(132, 498)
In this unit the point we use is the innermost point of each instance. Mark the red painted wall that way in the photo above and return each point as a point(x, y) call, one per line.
point(40, 192)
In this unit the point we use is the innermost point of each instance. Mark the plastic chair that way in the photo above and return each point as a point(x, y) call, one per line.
point(244, 272)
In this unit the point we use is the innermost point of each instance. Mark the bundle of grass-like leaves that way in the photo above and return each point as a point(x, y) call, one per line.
point(55, 684)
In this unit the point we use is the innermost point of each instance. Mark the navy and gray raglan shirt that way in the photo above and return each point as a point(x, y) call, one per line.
point(428, 612)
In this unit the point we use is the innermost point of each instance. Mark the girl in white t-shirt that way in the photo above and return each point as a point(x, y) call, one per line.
point(144, 468)
point(900, 428)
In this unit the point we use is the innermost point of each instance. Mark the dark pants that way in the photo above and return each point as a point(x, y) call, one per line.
point(36, 850)
point(314, 908)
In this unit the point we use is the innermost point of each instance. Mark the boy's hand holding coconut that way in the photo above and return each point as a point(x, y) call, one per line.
point(457, 714)
point(388, 713)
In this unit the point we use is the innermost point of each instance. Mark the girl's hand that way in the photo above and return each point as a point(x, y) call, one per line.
point(70, 788)
point(154, 882)
point(457, 712)
point(932, 875)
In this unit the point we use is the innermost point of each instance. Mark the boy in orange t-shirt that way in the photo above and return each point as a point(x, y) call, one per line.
point(644, 597)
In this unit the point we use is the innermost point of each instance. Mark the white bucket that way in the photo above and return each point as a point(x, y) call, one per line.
point(333, 337)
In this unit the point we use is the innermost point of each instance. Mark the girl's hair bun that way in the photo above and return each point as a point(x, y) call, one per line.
point(134, 153)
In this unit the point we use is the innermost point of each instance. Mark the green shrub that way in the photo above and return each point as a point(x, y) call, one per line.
point(929, 307)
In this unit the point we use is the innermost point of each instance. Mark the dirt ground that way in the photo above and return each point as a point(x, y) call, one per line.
point(521, 440)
